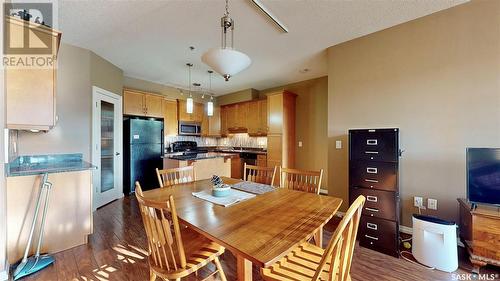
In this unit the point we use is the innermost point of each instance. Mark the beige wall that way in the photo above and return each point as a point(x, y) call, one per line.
point(105, 75)
point(169, 92)
point(311, 124)
point(436, 78)
point(243, 95)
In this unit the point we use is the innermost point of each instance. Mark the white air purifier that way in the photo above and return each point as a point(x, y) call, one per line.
point(434, 243)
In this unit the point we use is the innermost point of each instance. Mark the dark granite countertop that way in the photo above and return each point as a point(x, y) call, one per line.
point(199, 156)
point(41, 164)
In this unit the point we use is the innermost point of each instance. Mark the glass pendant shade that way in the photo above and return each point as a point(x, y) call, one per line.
point(189, 105)
point(226, 61)
point(210, 108)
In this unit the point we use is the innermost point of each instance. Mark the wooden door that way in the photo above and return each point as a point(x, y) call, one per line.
point(133, 103)
point(262, 128)
point(30, 98)
point(253, 118)
point(261, 160)
point(214, 123)
point(275, 110)
point(170, 121)
point(153, 105)
point(274, 150)
point(223, 120)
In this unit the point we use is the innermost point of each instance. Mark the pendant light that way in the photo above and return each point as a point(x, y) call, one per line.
point(226, 60)
point(210, 103)
point(189, 101)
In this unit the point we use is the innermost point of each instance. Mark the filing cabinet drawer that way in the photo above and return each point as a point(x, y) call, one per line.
point(376, 175)
point(375, 145)
point(379, 204)
point(379, 234)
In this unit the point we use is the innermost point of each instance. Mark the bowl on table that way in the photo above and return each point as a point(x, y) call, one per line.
point(222, 190)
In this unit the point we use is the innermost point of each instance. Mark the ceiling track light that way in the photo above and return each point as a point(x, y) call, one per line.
point(264, 10)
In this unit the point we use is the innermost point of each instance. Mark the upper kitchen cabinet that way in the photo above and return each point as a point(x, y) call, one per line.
point(196, 116)
point(30, 89)
point(211, 125)
point(257, 118)
point(171, 124)
point(139, 103)
point(245, 117)
point(281, 133)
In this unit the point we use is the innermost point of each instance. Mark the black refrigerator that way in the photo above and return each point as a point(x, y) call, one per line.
point(143, 150)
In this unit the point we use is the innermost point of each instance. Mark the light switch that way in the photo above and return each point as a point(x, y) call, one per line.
point(300, 143)
point(338, 144)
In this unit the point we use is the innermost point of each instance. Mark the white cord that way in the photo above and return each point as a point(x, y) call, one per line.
point(412, 261)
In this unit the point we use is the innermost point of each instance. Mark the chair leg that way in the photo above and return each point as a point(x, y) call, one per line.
point(152, 275)
point(219, 268)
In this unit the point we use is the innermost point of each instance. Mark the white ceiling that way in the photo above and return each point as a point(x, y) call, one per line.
point(150, 39)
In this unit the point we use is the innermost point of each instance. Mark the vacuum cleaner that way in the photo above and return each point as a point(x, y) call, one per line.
point(37, 262)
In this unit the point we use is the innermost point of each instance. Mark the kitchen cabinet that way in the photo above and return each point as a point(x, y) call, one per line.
point(196, 116)
point(211, 125)
point(30, 92)
point(281, 133)
point(257, 118)
point(262, 130)
point(236, 170)
point(245, 117)
point(171, 124)
point(223, 121)
point(139, 103)
point(261, 160)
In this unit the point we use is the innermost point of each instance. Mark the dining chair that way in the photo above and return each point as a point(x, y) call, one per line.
point(309, 262)
point(308, 181)
point(174, 252)
point(259, 174)
point(169, 177)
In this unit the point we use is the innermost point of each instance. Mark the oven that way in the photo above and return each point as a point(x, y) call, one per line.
point(189, 128)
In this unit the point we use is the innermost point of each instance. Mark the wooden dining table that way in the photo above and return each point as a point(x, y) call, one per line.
point(260, 230)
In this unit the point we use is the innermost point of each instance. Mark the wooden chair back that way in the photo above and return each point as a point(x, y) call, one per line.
point(308, 181)
point(341, 247)
point(166, 250)
point(259, 174)
point(169, 177)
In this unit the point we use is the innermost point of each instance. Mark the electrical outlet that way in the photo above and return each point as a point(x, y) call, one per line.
point(338, 144)
point(432, 204)
point(300, 143)
point(418, 201)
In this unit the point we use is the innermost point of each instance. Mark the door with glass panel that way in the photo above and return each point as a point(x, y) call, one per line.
point(106, 146)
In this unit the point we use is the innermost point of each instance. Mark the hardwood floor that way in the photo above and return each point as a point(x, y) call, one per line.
point(117, 251)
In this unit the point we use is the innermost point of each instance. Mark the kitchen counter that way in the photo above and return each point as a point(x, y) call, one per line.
point(199, 156)
point(41, 164)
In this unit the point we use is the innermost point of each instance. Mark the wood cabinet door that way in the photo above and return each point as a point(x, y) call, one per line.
point(223, 120)
point(170, 122)
point(181, 111)
point(214, 123)
point(133, 103)
point(153, 105)
point(231, 116)
point(242, 115)
point(262, 128)
point(275, 110)
point(236, 168)
point(30, 98)
point(274, 150)
point(253, 118)
point(199, 112)
point(205, 125)
point(261, 160)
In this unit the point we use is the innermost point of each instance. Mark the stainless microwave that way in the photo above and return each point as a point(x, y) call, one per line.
point(189, 128)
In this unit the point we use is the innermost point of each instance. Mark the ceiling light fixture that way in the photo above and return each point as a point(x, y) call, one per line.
point(263, 9)
point(189, 101)
point(210, 103)
point(226, 60)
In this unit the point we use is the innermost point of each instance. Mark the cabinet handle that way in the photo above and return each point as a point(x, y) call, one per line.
point(372, 198)
point(371, 170)
point(371, 209)
point(370, 180)
point(371, 226)
point(372, 142)
point(371, 152)
point(371, 237)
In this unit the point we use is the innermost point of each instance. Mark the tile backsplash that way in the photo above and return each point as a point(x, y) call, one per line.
point(236, 140)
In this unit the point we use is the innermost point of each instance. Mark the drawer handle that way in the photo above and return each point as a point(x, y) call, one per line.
point(369, 180)
point(372, 198)
point(371, 226)
point(371, 209)
point(371, 152)
point(372, 142)
point(370, 170)
point(371, 237)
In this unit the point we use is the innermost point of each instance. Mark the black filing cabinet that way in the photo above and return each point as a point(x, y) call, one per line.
point(373, 173)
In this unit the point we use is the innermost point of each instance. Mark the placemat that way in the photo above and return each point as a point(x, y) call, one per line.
point(253, 187)
point(234, 197)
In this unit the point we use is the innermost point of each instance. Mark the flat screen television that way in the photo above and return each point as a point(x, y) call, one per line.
point(483, 175)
